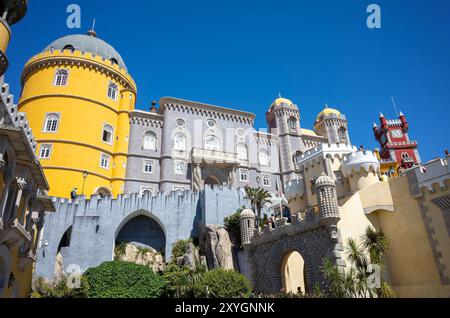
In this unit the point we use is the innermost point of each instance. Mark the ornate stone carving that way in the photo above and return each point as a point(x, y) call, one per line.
point(197, 178)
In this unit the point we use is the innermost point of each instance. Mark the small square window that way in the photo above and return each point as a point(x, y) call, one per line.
point(104, 161)
point(243, 173)
point(45, 151)
point(179, 167)
point(148, 166)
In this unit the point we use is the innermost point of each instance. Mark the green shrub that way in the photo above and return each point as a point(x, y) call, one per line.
point(180, 280)
point(179, 248)
point(220, 283)
point(123, 280)
point(42, 289)
point(233, 225)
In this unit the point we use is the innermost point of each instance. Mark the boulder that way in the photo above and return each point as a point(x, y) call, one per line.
point(143, 256)
point(217, 247)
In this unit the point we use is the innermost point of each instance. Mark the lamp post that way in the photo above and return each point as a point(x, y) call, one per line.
point(85, 174)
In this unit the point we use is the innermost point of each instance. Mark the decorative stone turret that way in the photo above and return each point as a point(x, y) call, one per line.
point(362, 168)
point(247, 221)
point(328, 204)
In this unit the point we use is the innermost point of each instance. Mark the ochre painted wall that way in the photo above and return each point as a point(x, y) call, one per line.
point(84, 109)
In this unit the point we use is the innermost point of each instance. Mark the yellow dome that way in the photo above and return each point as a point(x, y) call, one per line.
point(328, 111)
point(282, 100)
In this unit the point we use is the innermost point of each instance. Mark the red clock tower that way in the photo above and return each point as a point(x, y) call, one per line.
point(395, 143)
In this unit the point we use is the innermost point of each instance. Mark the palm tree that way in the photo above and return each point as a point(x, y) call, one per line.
point(355, 281)
point(258, 197)
point(376, 243)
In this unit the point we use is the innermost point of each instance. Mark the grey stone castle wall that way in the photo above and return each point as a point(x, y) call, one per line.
point(96, 223)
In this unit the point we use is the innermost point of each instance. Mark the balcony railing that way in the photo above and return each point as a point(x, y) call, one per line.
point(200, 155)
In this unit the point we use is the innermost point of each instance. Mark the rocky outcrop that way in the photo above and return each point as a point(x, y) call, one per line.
point(216, 245)
point(140, 255)
point(191, 258)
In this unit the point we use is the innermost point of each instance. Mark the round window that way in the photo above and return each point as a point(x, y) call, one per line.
point(211, 123)
point(180, 122)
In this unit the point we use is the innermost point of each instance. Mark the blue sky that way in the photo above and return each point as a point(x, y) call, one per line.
point(242, 53)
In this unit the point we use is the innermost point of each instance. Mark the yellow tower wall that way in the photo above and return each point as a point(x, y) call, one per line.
point(83, 108)
point(5, 35)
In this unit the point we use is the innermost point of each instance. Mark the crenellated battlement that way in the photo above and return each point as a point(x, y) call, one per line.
point(332, 151)
point(360, 160)
point(78, 58)
point(434, 173)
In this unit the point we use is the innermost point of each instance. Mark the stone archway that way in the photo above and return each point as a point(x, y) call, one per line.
point(143, 229)
point(212, 180)
point(103, 192)
point(293, 273)
point(63, 245)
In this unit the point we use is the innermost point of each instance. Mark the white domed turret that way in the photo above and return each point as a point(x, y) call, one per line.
point(247, 221)
point(362, 168)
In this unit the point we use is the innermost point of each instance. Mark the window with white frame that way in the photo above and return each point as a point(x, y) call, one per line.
point(61, 77)
point(149, 141)
point(179, 167)
point(45, 151)
point(212, 143)
point(107, 135)
point(263, 156)
point(51, 123)
point(112, 91)
point(144, 190)
point(178, 189)
point(179, 142)
point(338, 177)
point(243, 174)
point(104, 161)
point(148, 166)
point(266, 181)
point(242, 152)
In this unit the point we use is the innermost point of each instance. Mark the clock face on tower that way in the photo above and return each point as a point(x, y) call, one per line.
point(397, 133)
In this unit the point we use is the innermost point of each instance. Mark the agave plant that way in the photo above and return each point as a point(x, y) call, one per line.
point(354, 282)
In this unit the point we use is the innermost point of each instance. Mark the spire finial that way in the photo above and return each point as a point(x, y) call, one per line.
point(279, 95)
point(92, 32)
point(395, 106)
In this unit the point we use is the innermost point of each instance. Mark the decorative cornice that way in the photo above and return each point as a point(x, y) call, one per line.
point(216, 112)
point(59, 58)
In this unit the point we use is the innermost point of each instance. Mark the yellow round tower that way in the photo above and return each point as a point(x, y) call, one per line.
point(77, 95)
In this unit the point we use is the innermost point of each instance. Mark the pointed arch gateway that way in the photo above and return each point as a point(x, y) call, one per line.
point(142, 228)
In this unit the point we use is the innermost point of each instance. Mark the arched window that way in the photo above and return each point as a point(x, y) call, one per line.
point(242, 152)
point(113, 61)
point(112, 91)
point(292, 123)
point(148, 166)
point(149, 141)
point(342, 134)
point(243, 174)
point(179, 167)
point(51, 123)
point(45, 151)
point(179, 142)
point(61, 77)
point(107, 134)
point(405, 155)
point(263, 156)
point(266, 181)
point(212, 143)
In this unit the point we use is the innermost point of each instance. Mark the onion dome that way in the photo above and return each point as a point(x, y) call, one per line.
point(247, 213)
point(327, 112)
point(324, 180)
point(89, 43)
